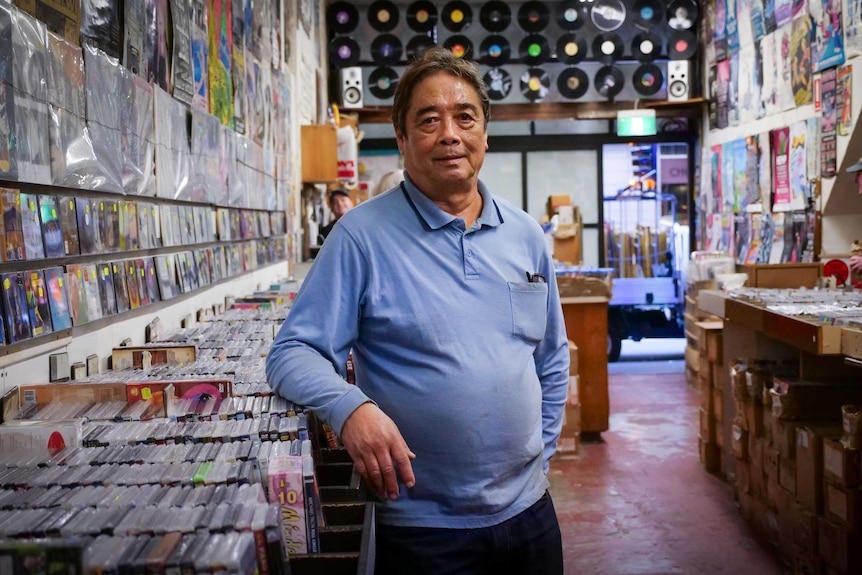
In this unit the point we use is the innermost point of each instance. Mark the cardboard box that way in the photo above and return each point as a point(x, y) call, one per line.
point(787, 474)
point(555, 201)
point(784, 437)
point(804, 528)
point(789, 275)
point(809, 464)
point(840, 464)
point(754, 417)
point(710, 455)
point(718, 404)
point(139, 357)
point(52, 436)
point(739, 442)
point(843, 505)
point(707, 426)
point(839, 547)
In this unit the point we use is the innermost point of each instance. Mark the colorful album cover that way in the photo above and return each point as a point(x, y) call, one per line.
point(90, 285)
point(8, 163)
point(121, 288)
point(167, 276)
point(13, 232)
point(34, 248)
point(800, 61)
point(86, 233)
point(107, 295)
point(97, 213)
point(844, 97)
point(143, 210)
point(58, 298)
point(15, 312)
point(130, 225)
point(152, 279)
point(238, 63)
point(182, 72)
point(141, 282)
point(37, 302)
point(828, 46)
point(220, 40)
point(77, 294)
point(200, 55)
point(69, 225)
point(132, 284)
point(107, 211)
point(52, 234)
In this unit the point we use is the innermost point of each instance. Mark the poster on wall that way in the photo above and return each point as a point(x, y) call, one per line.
point(765, 170)
point(828, 125)
point(733, 103)
point(740, 180)
point(769, 16)
point(783, 12)
point(715, 165)
point(784, 72)
point(781, 169)
point(758, 24)
point(844, 99)
point(746, 80)
point(728, 183)
point(709, 33)
point(853, 28)
point(220, 40)
point(743, 23)
point(769, 77)
point(732, 28)
point(720, 36)
point(812, 153)
point(800, 61)
point(828, 48)
point(723, 75)
point(751, 197)
point(800, 7)
point(798, 165)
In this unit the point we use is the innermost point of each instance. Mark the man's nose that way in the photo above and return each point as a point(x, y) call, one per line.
point(448, 131)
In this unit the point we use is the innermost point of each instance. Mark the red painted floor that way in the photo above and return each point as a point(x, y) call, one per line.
point(639, 502)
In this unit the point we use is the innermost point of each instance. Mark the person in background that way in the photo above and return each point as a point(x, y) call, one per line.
point(856, 260)
point(388, 181)
point(446, 296)
point(340, 203)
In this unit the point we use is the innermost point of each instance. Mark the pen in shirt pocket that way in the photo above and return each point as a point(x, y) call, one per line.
point(535, 278)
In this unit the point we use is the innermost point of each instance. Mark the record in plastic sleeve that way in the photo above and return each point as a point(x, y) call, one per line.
point(499, 83)
point(460, 46)
point(573, 83)
point(648, 14)
point(681, 45)
point(608, 48)
point(647, 79)
point(417, 46)
point(571, 49)
point(343, 51)
point(386, 49)
point(494, 50)
point(572, 14)
point(495, 16)
point(342, 17)
point(383, 15)
point(646, 47)
point(535, 84)
point(608, 15)
point(457, 15)
point(609, 81)
point(682, 14)
point(534, 49)
point(533, 16)
point(422, 16)
point(382, 83)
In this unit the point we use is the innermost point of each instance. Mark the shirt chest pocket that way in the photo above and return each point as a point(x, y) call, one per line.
point(529, 310)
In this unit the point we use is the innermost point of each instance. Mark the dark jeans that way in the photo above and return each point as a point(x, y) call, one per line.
point(527, 544)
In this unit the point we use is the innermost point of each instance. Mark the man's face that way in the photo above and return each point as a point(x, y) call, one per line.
point(341, 204)
point(445, 140)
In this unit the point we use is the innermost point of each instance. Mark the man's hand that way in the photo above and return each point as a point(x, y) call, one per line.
point(377, 448)
point(856, 263)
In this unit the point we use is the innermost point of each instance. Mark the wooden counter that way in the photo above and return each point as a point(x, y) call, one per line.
point(587, 326)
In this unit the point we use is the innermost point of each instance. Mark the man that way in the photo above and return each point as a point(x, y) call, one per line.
point(855, 259)
point(447, 297)
point(340, 203)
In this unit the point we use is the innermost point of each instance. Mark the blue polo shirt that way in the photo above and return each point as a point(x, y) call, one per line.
point(449, 339)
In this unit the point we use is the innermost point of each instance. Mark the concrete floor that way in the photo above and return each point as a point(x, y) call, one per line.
point(639, 503)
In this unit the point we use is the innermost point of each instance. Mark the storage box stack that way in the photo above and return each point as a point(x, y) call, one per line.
point(570, 436)
point(568, 244)
point(691, 316)
point(711, 376)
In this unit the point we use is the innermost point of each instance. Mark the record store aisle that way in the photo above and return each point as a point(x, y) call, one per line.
point(639, 503)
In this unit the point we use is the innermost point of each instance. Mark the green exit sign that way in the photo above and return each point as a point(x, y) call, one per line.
point(636, 123)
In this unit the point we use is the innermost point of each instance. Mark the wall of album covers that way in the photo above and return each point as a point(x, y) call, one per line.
point(780, 123)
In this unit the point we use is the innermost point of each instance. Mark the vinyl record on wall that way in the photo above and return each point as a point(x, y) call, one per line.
point(382, 82)
point(383, 15)
point(457, 15)
point(499, 83)
point(422, 16)
point(460, 46)
point(682, 14)
point(609, 81)
point(494, 50)
point(386, 50)
point(647, 79)
point(495, 16)
point(534, 49)
point(533, 16)
point(342, 17)
point(572, 14)
point(646, 47)
point(573, 83)
point(608, 15)
point(535, 84)
point(343, 51)
point(608, 48)
point(681, 45)
point(417, 46)
point(571, 49)
point(648, 14)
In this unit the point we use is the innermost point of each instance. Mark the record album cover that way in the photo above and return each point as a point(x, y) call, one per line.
point(37, 302)
point(77, 294)
point(237, 69)
point(141, 282)
point(97, 213)
point(133, 45)
point(143, 212)
point(182, 72)
point(52, 234)
point(91, 290)
point(107, 294)
point(13, 232)
point(220, 40)
point(34, 248)
point(121, 288)
point(200, 55)
point(69, 225)
point(167, 276)
point(86, 231)
point(152, 280)
point(8, 163)
point(58, 299)
point(132, 284)
point(100, 25)
point(15, 313)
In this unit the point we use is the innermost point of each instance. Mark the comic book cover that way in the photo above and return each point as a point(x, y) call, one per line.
point(90, 284)
point(200, 55)
point(152, 279)
point(220, 40)
point(13, 233)
point(237, 69)
point(58, 298)
point(155, 224)
point(800, 61)
point(52, 234)
point(141, 282)
point(844, 97)
point(177, 223)
point(107, 294)
point(37, 302)
point(132, 284)
point(133, 46)
point(827, 49)
point(86, 235)
point(8, 163)
point(77, 294)
point(182, 72)
point(829, 124)
point(69, 225)
point(167, 276)
point(219, 264)
point(97, 213)
point(34, 248)
point(15, 312)
point(121, 288)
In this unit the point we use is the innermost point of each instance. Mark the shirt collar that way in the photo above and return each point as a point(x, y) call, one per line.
point(435, 218)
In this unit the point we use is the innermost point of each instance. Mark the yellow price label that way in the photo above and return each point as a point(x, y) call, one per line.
point(106, 271)
point(53, 212)
point(115, 268)
point(41, 293)
point(7, 284)
point(102, 206)
point(32, 206)
point(71, 204)
point(79, 272)
point(142, 272)
point(60, 282)
point(87, 208)
point(146, 393)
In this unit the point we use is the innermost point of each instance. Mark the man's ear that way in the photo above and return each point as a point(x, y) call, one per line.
point(399, 138)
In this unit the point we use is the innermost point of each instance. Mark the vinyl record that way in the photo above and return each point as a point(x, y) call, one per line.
point(571, 49)
point(646, 47)
point(608, 48)
point(681, 45)
point(682, 14)
point(343, 51)
point(457, 15)
point(609, 81)
point(648, 14)
point(573, 83)
point(495, 16)
point(534, 49)
point(417, 46)
point(494, 50)
point(422, 16)
point(608, 15)
point(499, 83)
point(342, 17)
point(460, 46)
point(386, 49)
point(382, 83)
point(533, 16)
point(647, 79)
point(535, 84)
point(572, 14)
point(383, 15)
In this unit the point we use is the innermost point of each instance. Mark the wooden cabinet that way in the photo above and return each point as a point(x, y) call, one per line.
point(319, 154)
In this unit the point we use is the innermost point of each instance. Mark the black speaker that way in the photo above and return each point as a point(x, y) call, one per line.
point(677, 80)
point(350, 81)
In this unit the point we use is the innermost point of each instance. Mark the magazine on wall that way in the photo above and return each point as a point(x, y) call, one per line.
point(37, 302)
point(133, 44)
point(107, 294)
point(58, 299)
point(100, 25)
point(13, 232)
point(156, 43)
point(200, 55)
point(52, 234)
point(182, 72)
point(69, 225)
point(8, 163)
point(86, 233)
point(121, 289)
point(90, 285)
point(29, 81)
point(16, 315)
point(220, 40)
point(237, 69)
